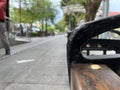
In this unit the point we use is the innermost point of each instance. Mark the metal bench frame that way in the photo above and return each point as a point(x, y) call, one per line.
point(84, 34)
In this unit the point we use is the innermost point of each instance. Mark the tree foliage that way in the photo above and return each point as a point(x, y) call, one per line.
point(32, 10)
point(61, 25)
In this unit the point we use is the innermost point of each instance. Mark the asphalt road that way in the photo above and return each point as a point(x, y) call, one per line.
point(37, 66)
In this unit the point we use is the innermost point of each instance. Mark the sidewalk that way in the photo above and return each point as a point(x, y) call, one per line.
point(25, 39)
point(30, 42)
point(38, 65)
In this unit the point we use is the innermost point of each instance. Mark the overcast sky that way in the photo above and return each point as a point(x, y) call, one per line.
point(60, 12)
point(114, 5)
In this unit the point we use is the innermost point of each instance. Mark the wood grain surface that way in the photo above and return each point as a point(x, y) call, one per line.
point(85, 77)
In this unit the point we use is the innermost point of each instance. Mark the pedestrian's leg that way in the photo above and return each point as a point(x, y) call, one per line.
point(4, 38)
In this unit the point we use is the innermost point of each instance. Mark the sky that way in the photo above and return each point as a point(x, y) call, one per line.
point(114, 5)
point(60, 11)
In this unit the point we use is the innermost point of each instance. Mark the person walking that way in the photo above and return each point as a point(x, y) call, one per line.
point(3, 37)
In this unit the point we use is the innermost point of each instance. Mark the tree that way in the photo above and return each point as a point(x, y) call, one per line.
point(49, 12)
point(91, 7)
point(33, 10)
point(61, 24)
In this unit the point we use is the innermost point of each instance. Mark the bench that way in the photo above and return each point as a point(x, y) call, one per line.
point(88, 49)
point(81, 76)
point(93, 77)
point(101, 45)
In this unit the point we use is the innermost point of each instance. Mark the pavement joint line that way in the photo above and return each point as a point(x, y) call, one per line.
point(39, 83)
point(13, 82)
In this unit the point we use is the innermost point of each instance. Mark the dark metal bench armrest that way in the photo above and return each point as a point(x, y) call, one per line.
point(87, 31)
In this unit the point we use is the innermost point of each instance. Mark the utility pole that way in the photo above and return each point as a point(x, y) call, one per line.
point(42, 20)
point(20, 11)
point(105, 8)
point(7, 14)
point(69, 18)
point(21, 28)
point(105, 14)
point(42, 14)
point(7, 21)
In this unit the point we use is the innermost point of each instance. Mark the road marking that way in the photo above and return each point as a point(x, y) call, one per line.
point(25, 61)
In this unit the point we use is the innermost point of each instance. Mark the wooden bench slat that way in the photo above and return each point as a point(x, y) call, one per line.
point(83, 77)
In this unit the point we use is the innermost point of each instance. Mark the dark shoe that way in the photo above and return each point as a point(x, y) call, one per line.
point(7, 52)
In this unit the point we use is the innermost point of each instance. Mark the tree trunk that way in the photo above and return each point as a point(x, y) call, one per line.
point(46, 25)
point(73, 22)
point(91, 7)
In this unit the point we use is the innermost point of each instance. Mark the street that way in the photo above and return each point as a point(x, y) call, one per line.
point(36, 66)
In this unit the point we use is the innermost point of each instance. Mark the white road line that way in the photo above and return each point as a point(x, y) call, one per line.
point(25, 61)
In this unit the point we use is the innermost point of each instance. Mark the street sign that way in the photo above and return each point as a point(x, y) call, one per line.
point(73, 8)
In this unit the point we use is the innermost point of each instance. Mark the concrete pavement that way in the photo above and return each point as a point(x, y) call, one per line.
point(38, 65)
point(28, 43)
